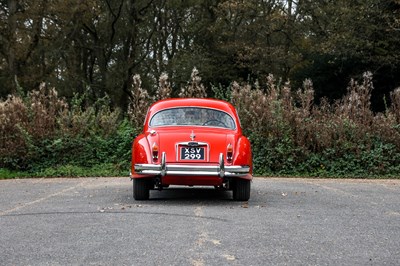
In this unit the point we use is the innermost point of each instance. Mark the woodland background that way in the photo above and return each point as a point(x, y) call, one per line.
point(314, 81)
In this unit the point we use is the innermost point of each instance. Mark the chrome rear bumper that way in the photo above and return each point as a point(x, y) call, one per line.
point(190, 170)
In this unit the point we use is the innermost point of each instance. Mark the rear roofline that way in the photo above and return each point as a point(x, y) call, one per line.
point(195, 102)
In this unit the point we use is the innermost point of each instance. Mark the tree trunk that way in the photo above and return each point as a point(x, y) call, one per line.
point(12, 26)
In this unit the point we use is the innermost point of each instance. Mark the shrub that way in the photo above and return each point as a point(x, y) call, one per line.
point(44, 135)
point(41, 130)
point(140, 101)
point(292, 135)
point(164, 89)
point(195, 88)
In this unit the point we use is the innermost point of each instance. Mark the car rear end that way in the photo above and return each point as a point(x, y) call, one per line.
point(173, 150)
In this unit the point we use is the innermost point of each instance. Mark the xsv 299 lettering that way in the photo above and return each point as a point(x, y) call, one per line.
point(192, 153)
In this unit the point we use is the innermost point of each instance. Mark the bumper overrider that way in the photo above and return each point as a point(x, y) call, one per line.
point(205, 170)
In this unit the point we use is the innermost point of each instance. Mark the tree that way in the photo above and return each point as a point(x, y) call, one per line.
point(249, 39)
point(347, 38)
point(96, 46)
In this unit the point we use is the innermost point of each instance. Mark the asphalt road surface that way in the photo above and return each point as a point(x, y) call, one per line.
point(95, 221)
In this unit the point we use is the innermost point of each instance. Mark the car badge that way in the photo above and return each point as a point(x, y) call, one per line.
point(192, 136)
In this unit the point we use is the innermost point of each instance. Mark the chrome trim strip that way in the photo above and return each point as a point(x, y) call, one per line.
point(221, 170)
point(192, 169)
point(163, 164)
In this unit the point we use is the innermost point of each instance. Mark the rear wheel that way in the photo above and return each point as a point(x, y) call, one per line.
point(241, 189)
point(141, 189)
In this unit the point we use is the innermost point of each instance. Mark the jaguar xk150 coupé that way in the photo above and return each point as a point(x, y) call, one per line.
point(191, 142)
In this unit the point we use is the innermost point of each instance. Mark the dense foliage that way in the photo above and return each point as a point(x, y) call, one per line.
point(105, 61)
point(43, 135)
point(96, 46)
point(291, 135)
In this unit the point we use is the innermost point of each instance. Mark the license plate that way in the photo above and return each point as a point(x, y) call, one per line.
point(192, 153)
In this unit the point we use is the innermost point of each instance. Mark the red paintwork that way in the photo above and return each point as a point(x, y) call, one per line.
point(166, 138)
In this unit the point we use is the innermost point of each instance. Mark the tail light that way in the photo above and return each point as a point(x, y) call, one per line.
point(229, 153)
point(155, 152)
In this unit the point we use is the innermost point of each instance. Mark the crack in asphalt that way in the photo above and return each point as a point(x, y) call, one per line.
point(114, 212)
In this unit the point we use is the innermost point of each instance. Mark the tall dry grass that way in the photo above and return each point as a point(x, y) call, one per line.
point(290, 134)
point(42, 115)
point(164, 90)
point(140, 101)
point(276, 111)
point(394, 110)
point(287, 129)
point(24, 119)
point(195, 89)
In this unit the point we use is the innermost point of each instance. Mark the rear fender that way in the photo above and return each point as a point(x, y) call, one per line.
point(243, 154)
point(140, 152)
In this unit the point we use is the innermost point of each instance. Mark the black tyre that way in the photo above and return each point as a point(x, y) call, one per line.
point(141, 189)
point(241, 190)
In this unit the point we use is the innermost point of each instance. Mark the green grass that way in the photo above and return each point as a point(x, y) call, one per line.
point(9, 174)
point(101, 170)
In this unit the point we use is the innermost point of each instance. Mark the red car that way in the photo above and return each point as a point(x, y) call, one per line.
point(191, 142)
